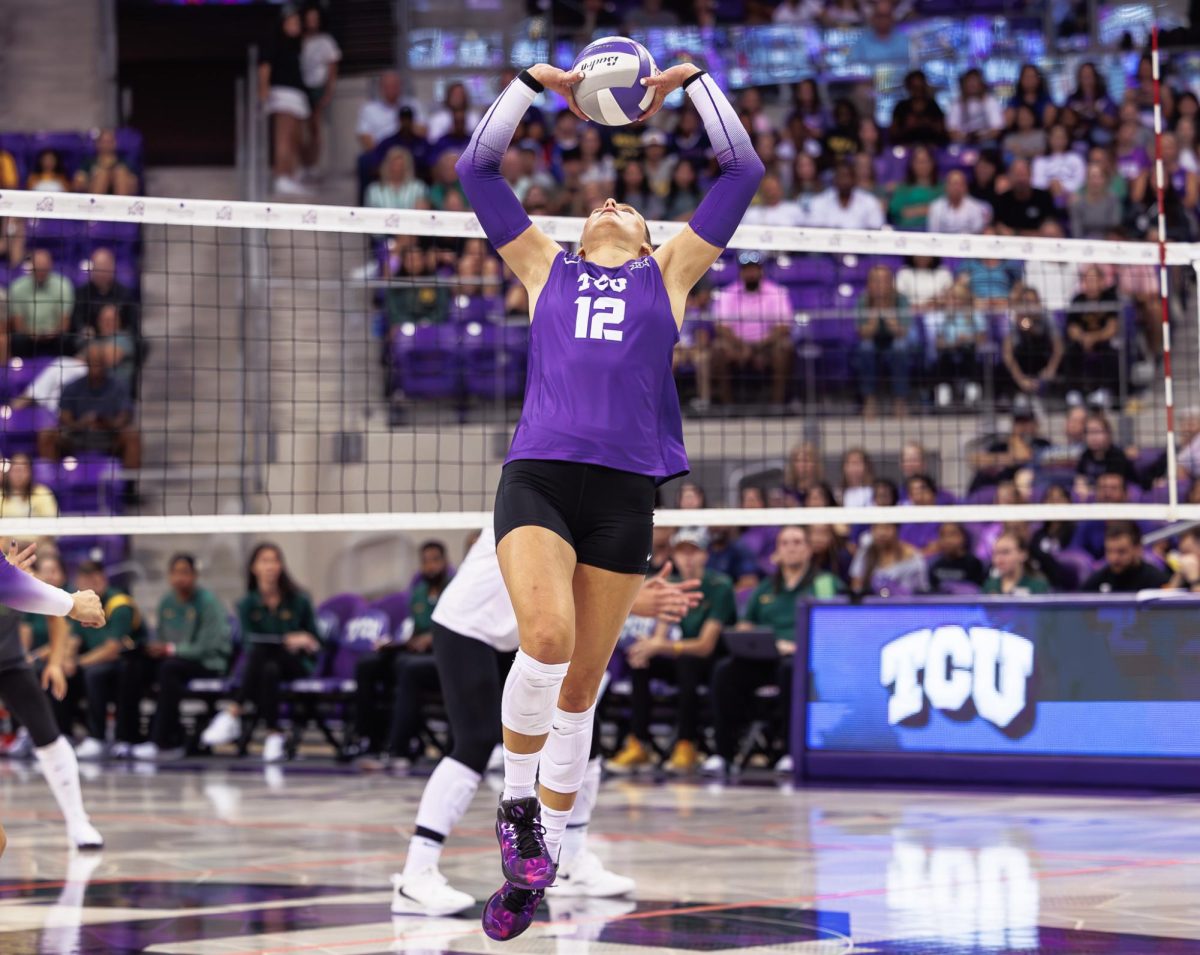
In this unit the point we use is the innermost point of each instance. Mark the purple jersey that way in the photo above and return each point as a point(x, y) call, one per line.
point(599, 388)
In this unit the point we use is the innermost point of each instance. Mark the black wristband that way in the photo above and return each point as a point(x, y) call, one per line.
point(692, 79)
point(527, 78)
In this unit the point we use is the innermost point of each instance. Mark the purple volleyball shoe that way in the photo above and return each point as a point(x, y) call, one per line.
point(523, 855)
point(510, 911)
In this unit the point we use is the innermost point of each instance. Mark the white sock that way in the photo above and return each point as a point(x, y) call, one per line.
point(574, 841)
point(520, 774)
point(555, 823)
point(447, 795)
point(61, 770)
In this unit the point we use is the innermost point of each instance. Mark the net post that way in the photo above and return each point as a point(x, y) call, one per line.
point(1163, 289)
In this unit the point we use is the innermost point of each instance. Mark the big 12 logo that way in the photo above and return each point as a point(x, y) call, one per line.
point(961, 671)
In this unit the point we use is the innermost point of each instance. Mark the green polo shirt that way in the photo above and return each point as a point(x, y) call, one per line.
point(198, 629)
point(420, 607)
point(122, 622)
point(717, 602)
point(262, 625)
point(41, 306)
point(776, 609)
point(1029, 584)
point(39, 624)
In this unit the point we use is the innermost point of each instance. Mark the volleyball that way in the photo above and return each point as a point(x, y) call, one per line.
point(611, 91)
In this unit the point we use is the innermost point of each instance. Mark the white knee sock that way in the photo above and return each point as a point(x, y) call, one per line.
point(575, 837)
point(61, 770)
point(554, 821)
point(447, 795)
point(528, 707)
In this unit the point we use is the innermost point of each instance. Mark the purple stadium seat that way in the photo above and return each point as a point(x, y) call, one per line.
point(985, 495)
point(427, 361)
point(395, 606)
point(853, 268)
point(61, 237)
point(108, 549)
point(800, 270)
point(494, 359)
point(1162, 495)
point(113, 233)
point(129, 146)
point(476, 308)
point(19, 428)
point(959, 588)
point(809, 298)
point(333, 614)
point(723, 272)
point(84, 485)
point(16, 376)
point(1079, 564)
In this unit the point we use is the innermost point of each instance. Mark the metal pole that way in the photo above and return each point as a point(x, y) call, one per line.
point(1168, 382)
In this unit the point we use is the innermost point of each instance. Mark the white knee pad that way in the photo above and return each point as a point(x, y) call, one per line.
point(565, 755)
point(531, 694)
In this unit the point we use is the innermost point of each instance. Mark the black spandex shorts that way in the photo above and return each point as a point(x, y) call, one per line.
point(605, 514)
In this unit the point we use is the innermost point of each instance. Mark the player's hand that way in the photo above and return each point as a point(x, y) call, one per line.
point(54, 680)
point(664, 82)
point(668, 601)
point(86, 608)
point(561, 82)
point(785, 647)
point(301, 642)
point(21, 559)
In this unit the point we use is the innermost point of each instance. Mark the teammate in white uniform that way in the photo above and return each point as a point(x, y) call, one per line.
point(474, 639)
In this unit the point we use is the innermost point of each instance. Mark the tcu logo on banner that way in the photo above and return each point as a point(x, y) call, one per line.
point(961, 672)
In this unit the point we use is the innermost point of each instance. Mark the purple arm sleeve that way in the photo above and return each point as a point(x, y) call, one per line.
point(26, 593)
point(721, 210)
point(495, 205)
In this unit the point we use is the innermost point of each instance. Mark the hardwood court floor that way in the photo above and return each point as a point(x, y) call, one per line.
point(231, 861)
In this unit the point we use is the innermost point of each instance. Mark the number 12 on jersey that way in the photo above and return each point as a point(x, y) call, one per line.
point(594, 316)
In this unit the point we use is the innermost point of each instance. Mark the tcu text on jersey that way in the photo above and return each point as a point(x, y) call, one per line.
point(595, 317)
point(951, 666)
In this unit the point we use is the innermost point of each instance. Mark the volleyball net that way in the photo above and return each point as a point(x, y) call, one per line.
point(297, 368)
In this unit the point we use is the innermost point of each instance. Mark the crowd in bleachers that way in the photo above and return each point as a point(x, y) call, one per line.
point(71, 343)
point(884, 331)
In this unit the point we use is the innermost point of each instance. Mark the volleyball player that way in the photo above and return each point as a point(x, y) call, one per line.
point(21, 592)
point(474, 636)
point(600, 428)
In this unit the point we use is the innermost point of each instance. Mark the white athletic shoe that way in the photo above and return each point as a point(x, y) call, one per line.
point(288, 186)
point(274, 748)
point(225, 728)
point(785, 766)
point(427, 893)
point(120, 750)
point(84, 835)
point(150, 753)
point(714, 766)
point(585, 875)
point(496, 760)
point(90, 749)
point(21, 746)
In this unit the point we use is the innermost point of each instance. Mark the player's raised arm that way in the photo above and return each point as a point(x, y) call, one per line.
point(528, 251)
point(689, 255)
point(24, 592)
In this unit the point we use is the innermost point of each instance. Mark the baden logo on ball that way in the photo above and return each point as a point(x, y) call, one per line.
point(611, 91)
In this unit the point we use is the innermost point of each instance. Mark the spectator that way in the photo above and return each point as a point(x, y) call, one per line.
point(445, 181)
point(402, 670)
point(279, 632)
point(12, 228)
point(398, 187)
point(975, 118)
point(802, 471)
point(1032, 349)
point(119, 347)
point(1092, 325)
point(1025, 139)
point(957, 211)
point(913, 463)
point(107, 669)
point(1184, 184)
point(691, 497)
point(820, 495)
point(918, 120)
point(598, 164)
point(866, 180)
point(880, 45)
point(1184, 561)
point(1051, 539)
point(985, 178)
point(681, 655)
point(101, 289)
point(1130, 156)
point(840, 14)
point(797, 13)
point(685, 193)
point(909, 208)
point(632, 188)
point(281, 91)
point(379, 118)
point(921, 491)
point(1095, 211)
point(105, 173)
point(1185, 138)
point(192, 642)
point(95, 414)
point(808, 108)
point(758, 540)
point(319, 58)
point(924, 282)
point(1033, 93)
point(455, 139)
point(1060, 171)
point(1124, 571)
point(39, 310)
point(857, 479)
point(726, 556)
point(1091, 103)
point(772, 209)
point(841, 139)
point(418, 297)
point(48, 173)
point(959, 331)
point(1011, 574)
point(888, 566)
point(1110, 488)
point(1100, 456)
point(953, 562)
point(20, 496)
point(753, 330)
point(772, 606)
point(46, 388)
point(807, 185)
point(884, 347)
point(456, 110)
point(1003, 455)
point(1023, 208)
point(990, 280)
point(1066, 455)
point(652, 13)
point(1055, 282)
